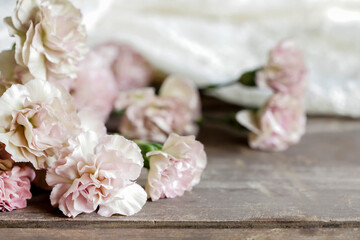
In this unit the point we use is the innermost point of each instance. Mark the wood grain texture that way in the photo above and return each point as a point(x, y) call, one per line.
point(170, 234)
point(313, 184)
point(312, 188)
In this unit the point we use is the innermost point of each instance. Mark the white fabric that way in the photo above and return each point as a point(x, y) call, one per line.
point(214, 41)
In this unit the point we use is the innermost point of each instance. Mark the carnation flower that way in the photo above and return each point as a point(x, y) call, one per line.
point(130, 69)
point(15, 188)
point(279, 124)
point(285, 71)
point(35, 120)
point(97, 172)
point(185, 91)
point(90, 121)
point(95, 88)
point(153, 118)
point(50, 39)
point(176, 168)
point(128, 97)
point(106, 70)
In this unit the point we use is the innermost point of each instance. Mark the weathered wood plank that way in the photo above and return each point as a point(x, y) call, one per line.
point(314, 184)
point(198, 234)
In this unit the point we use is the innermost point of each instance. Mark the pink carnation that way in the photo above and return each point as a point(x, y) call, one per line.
point(153, 118)
point(97, 172)
point(106, 70)
point(176, 168)
point(95, 88)
point(130, 69)
point(128, 97)
point(285, 71)
point(15, 188)
point(277, 125)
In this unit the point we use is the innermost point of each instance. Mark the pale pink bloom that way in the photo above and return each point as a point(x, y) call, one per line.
point(285, 71)
point(106, 70)
point(128, 97)
point(35, 120)
point(184, 90)
point(97, 172)
point(130, 69)
point(67, 83)
point(90, 121)
point(6, 162)
point(176, 168)
point(95, 88)
point(50, 39)
point(277, 125)
point(15, 188)
point(155, 119)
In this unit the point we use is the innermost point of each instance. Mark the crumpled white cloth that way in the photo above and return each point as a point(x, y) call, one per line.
point(214, 41)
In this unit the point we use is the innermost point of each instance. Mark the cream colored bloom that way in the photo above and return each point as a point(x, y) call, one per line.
point(50, 39)
point(35, 120)
point(185, 91)
point(90, 121)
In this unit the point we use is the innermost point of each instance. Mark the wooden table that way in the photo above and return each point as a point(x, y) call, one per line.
point(310, 191)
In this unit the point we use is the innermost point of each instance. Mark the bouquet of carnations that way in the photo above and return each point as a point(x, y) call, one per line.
point(55, 98)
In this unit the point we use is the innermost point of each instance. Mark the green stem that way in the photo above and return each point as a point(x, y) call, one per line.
point(147, 147)
point(220, 85)
point(119, 112)
point(247, 79)
point(228, 120)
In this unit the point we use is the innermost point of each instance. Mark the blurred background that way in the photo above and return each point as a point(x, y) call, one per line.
point(215, 41)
